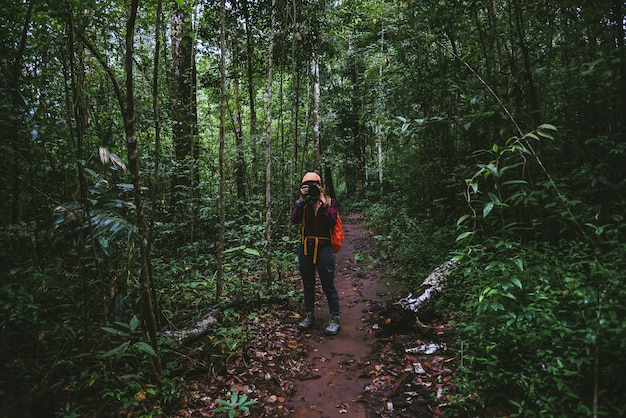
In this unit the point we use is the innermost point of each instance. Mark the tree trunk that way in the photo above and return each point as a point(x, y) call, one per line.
point(251, 98)
point(15, 128)
point(268, 152)
point(294, 109)
point(220, 256)
point(535, 108)
point(76, 130)
point(154, 190)
point(316, 110)
point(329, 184)
point(148, 310)
point(183, 110)
point(620, 41)
point(240, 162)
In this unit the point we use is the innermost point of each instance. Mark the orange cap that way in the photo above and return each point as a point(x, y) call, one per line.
point(311, 176)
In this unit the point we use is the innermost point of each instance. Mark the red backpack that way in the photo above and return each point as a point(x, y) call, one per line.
point(336, 237)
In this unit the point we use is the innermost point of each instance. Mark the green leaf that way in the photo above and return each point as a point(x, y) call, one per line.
point(510, 182)
point(126, 186)
point(544, 134)
point(488, 208)
point(493, 197)
point(547, 126)
point(464, 235)
point(92, 173)
point(251, 251)
point(117, 351)
point(134, 323)
point(462, 219)
point(115, 331)
point(233, 249)
point(146, 348)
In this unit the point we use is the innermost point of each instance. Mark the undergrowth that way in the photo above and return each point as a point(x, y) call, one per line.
point(539, 328)
point(413, 245)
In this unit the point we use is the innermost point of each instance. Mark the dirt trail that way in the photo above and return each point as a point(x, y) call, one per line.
point(340, 363)
point(374, 366)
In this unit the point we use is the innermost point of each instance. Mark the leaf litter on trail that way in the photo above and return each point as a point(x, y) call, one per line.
point(397, 381)
point(407, 373)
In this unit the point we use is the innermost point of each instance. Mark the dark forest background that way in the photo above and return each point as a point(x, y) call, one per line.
point(151, 153)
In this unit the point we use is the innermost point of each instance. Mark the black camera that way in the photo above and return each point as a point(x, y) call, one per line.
point(314, 193)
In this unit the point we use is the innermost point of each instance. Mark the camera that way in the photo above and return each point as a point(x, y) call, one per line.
point(314, 193)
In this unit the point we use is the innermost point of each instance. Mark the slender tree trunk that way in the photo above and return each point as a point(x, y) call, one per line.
point(77, 105)
point(149, 317)
point(268, 152)
point(240, 163)
point(251, 97)
point(294, 108)
point(15, 130)
point(329, 183)
point(316, 110)
point(535, 108)
point(220, 257)
point(620, 41)
point(183, 111)
point(154, 190)
point(358, 165)
point(380, 109)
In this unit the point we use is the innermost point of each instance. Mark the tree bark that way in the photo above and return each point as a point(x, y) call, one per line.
point(184, 118)
point(148, 310)
point(535, 108)
point(268, 152)
point(240, 162)
point(251, 99)
point(15, 126)
point(294, 109)
point(154, 190)
point(222, 239)
point(316, 110)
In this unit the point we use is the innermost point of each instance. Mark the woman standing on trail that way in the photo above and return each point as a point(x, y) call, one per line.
point(317, 214)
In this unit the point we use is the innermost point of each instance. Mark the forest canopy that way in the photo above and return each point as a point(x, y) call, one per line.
point(153, 152)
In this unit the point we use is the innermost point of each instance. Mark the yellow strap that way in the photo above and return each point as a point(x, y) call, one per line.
point(317, 242)
point(315, 251)
point(305, 239)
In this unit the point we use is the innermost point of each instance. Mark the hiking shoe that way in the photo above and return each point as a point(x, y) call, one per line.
point(333, 326)
point(307, 322)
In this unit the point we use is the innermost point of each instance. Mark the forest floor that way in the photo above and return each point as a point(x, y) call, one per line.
point(380, 364)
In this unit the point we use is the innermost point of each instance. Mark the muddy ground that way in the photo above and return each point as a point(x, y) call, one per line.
point(381, 363)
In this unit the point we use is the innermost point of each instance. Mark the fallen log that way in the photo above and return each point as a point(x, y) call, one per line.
point(195, 330)
point(419, 305)
point(423, 298)
point(206, 321)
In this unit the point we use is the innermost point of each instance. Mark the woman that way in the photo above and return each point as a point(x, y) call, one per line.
point(317, 214)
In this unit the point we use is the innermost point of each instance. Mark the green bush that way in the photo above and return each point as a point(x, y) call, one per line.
point(417, 244)
point(532, 322)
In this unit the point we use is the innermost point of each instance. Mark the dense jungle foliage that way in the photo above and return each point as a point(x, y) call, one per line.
point(152, 153)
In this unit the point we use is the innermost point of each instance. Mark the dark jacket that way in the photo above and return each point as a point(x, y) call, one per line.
point(318, 224)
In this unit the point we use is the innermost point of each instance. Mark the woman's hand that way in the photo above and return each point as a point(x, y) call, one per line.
point(319, 202)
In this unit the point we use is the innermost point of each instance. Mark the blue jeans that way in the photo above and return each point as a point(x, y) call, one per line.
point(325, 267)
